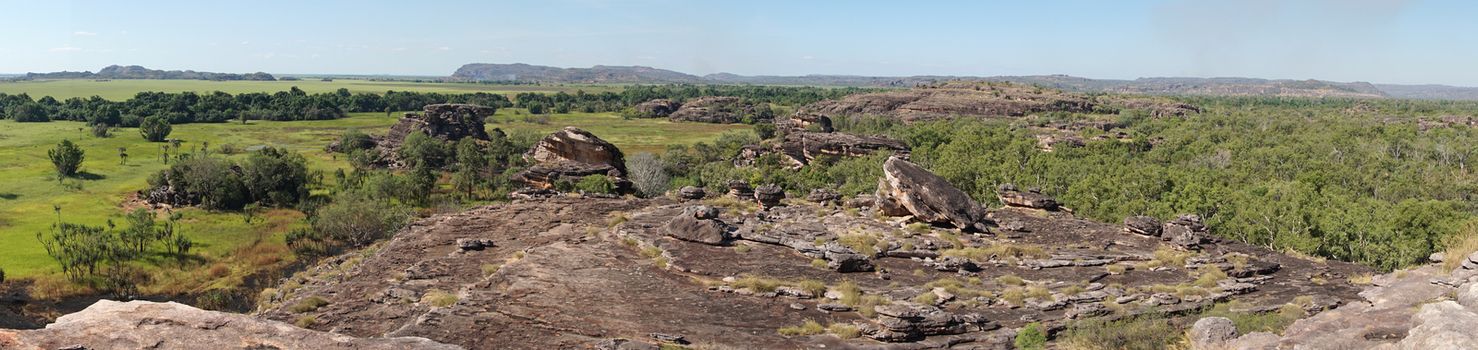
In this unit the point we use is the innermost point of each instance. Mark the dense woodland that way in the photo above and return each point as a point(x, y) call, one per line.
point(1353, 180)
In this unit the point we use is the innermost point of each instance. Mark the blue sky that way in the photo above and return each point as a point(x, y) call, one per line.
point(1385, 41)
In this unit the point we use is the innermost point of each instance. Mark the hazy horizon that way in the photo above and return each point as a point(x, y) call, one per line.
point(1385, 42)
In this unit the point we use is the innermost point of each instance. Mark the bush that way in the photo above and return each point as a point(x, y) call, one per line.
point(1031, 337)
point(765, 131)
point(2, 275)
point(352, 220)
point(648, 174)
point(102, 130)
point(209, 182)
point(596, 184)
point(1152, 331)
point(28, 112)
point(155, 128)
point(309, 305)
point(353, 140)
point(276, 177)
point(66, 157)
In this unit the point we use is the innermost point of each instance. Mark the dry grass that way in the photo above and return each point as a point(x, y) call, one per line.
point(810, 327)
point(998, 251)
point(1169, 257)
point(843, 330)
point(1363, 279)
point(306, 321)
point(490, 269)
point(863, 243)
point(439, 298)
point(1208, 276)
point(1010, 280)
point(1460, 246)
point(309, 304)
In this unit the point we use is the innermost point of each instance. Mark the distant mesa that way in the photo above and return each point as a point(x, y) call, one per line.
point(139, 72)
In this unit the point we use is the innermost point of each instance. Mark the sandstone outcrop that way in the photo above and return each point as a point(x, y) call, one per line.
point(658, 108)
point(802, 148)
point(721, 110)
point(955, 99)
point(906, 187)
point(570, 154)
point(148, 325)
point(1031, 198)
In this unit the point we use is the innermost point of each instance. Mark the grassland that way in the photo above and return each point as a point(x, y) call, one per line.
point(28, 188)
point(123, 89)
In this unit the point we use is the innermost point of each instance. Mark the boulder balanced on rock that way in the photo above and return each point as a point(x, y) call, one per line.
point(907, 189)
point(698, 224)
point(570, 154)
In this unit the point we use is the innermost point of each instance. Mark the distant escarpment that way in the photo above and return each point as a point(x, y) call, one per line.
point(592, 75)
point(139, 72)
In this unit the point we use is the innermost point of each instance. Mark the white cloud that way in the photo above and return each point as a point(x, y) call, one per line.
point(65, 49)
point(444, 48)
point(808, 57)
point(245, 42)
point(84, 33)
point(398, 49)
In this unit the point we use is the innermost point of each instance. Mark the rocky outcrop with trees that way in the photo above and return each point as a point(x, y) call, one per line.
point(567, 157)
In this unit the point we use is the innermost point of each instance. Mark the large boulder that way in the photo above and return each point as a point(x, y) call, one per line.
point(698, 224)
point(927, 197)
point(446, 122)
point(769, 196)
point(570, 154)
point(1010, 196)
point(1144, 225)
point(1212, 332)
point(1186, 231)
point(111, 324)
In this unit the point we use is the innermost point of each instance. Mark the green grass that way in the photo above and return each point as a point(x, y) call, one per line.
point(28, 186)
point(124, 89)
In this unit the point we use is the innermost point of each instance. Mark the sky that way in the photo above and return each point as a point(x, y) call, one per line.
point(1381, 41)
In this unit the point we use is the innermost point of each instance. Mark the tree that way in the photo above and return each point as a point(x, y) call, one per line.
point(420, 149)
point(648, 174)
point(471, 161)
point(353, 140)
point(155, 128)
point(102, 130)
point(66, 157)
point(275, 177)
point(28, 112)
point(1031, 337)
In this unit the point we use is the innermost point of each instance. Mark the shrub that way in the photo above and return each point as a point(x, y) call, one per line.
point(351, 220)
point(155, 128)
point(306, 321)
point(1031, 337)
point(276, 177)
point(765, 131)
point(354, 140)
point(2, 275)
point(843, 330)
point(102, 130)
point(439, 298)
point(66, 157)
point(1150, 331)
point(596, 184)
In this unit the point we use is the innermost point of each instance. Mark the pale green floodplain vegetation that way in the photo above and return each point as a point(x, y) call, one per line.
point(30, 192)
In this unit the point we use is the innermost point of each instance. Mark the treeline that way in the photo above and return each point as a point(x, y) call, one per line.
point(295, 104)
point(216, 107)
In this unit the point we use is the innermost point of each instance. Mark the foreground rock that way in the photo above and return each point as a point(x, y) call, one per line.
point(570, 154)
point(148, 325)
point(908, 188)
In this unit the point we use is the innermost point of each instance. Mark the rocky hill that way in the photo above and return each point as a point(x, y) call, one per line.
point(139, 72)
point(986, 100)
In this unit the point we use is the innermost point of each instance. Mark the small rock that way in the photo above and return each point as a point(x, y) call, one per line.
point(769, 196)
point(861, 201)
point(1437, 257)
point(1144, 225)
point(834, 307)
point(469, 244)
point(942, 296)
point(1212, 332)
point(833, 295)
point(822, 195)
point(797, 306)
point(670, 338)
point(844, 262)
point(703, 212)
point(691, 193)
point(741, 189)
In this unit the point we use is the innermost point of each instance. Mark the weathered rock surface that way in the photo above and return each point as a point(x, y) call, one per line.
point(927, 197)
point(769, 196)
point(148, 325)
point(1186, 231)
point(691, 193)
point(1212, 333)
point(955, 99)
point(1144, 225)
point(802, 148)
point(570, 154)
point(698, 224)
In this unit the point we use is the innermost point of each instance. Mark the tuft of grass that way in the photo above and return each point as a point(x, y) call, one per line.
point(1169, 257)
point(490, 269)
point(819, 263)
point(1208, 276)
point(843, 330)
point(926, 298)
point(651, 252)
point(1363, 279)
point(757, 284)
point(1117, 269)
point(1010, 280)
point(998, 250)
point(810, 327)
point(1014, 296)
point(863, 243)
point(439, 298)
point(741, 248)
point(305, 321)
point(1248, 322)
point(1039, 292)
point(309, 304)
point(814, 287)
point(617, 218)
